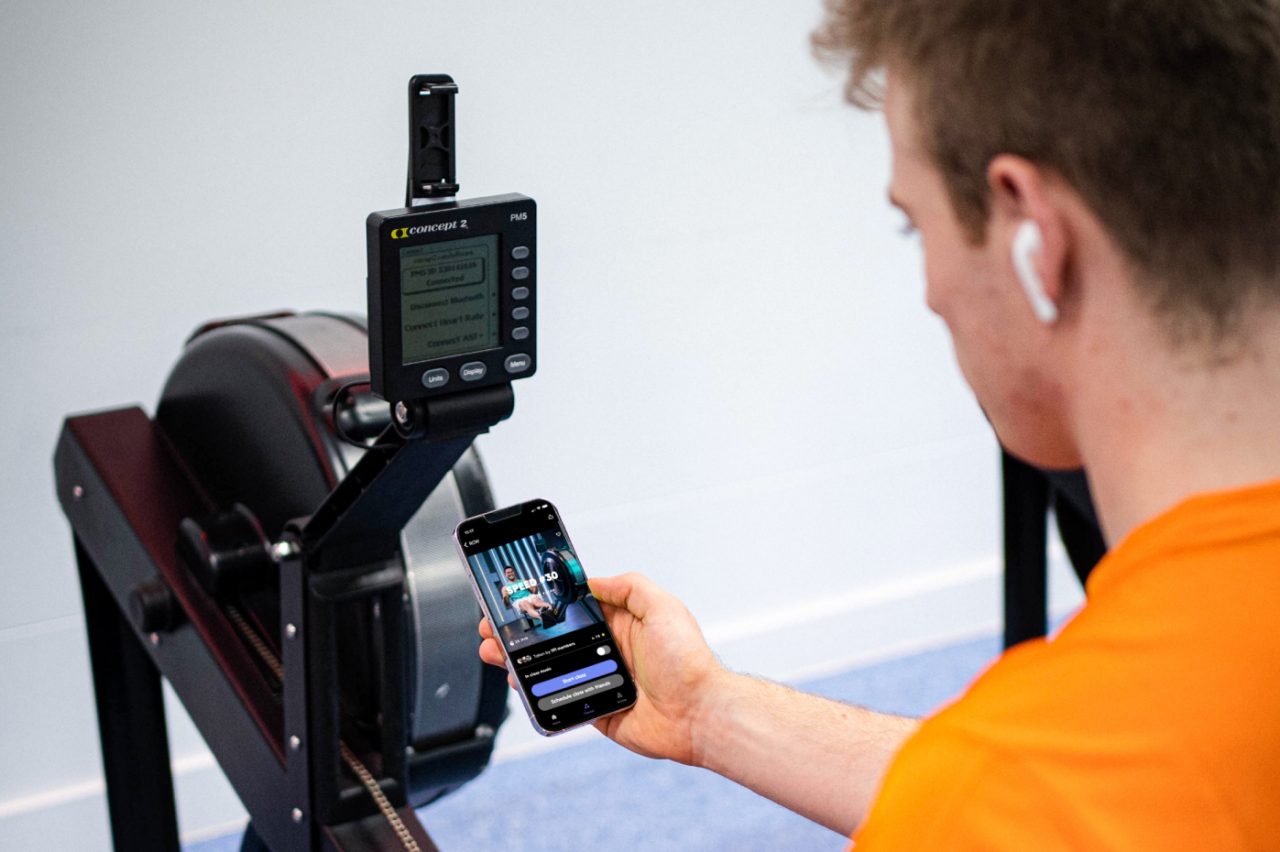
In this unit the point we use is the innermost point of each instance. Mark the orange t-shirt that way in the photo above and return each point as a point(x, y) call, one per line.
point(1152, 721)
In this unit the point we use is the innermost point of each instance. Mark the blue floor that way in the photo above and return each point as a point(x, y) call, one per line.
point(596, 795)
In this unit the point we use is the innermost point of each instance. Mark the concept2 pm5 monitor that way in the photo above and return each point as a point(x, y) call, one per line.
point(452, 296)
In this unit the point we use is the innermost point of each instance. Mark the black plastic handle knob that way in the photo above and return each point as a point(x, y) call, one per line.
point(154, 608)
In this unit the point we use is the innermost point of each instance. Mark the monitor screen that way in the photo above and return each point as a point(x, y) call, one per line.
point(449, 298)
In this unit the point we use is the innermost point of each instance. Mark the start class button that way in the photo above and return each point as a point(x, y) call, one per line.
point(555, 684)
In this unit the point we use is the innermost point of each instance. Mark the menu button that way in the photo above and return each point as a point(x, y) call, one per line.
point(517, 363)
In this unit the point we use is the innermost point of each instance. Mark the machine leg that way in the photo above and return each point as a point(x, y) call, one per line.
point(131, 723)
point(1081, 537)
point(1026, 507)
point(251, 842)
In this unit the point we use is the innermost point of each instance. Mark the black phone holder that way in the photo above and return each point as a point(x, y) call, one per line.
point(282, 625)
point(432, 163)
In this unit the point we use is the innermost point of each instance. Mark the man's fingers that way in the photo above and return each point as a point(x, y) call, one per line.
point(491, 652)
point(632, 592)
point(486, 629)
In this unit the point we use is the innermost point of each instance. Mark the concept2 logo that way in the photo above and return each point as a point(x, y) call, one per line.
point(405, 233)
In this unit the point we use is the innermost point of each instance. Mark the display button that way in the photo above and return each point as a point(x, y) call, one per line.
point(520, 314)
point(581, 692)
point(520, 273)
point(519, 333)
point(520, 294)
point(520, 252)
point(517, 363)
point(564, 681)
point(473, 371)
point(435, 378)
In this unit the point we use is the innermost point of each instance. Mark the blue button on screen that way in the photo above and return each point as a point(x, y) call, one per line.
point(555, 684)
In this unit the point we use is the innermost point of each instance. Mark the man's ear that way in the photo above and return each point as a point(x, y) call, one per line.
point(1027, 225)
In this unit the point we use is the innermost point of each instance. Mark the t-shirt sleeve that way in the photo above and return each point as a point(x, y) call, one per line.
point(945, 790)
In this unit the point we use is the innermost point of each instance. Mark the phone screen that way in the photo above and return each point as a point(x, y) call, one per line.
point(533, 588)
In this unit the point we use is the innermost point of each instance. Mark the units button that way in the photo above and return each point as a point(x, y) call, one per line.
point(436, 378)
point(520, 273)
point(520, 294)
point(520, 314)
point(520, 252)
point(519, 333)
point(517, 363)
point(473, 371)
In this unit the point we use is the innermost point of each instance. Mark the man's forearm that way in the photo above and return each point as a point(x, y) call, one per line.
point(818, 757)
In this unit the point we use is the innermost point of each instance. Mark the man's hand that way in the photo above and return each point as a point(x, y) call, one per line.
point(818, 757)
point(675, 671)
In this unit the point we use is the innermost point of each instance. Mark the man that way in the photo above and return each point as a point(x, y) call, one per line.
point(1097, 190)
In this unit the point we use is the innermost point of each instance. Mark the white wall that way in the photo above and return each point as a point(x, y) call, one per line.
point(740, 391)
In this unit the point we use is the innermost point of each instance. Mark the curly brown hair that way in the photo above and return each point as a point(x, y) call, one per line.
point(1164, 115)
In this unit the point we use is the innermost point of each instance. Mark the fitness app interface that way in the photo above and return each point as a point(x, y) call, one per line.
point(535, 592)
point(449, 298)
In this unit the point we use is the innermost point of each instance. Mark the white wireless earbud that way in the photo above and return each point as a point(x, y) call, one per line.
point(1026, 244)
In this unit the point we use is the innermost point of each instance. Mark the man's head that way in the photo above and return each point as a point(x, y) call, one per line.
point(1163, 114)
point(1157, 121)
point(509, 572)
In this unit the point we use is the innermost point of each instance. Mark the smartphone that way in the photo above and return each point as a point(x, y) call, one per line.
point(531, 586)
